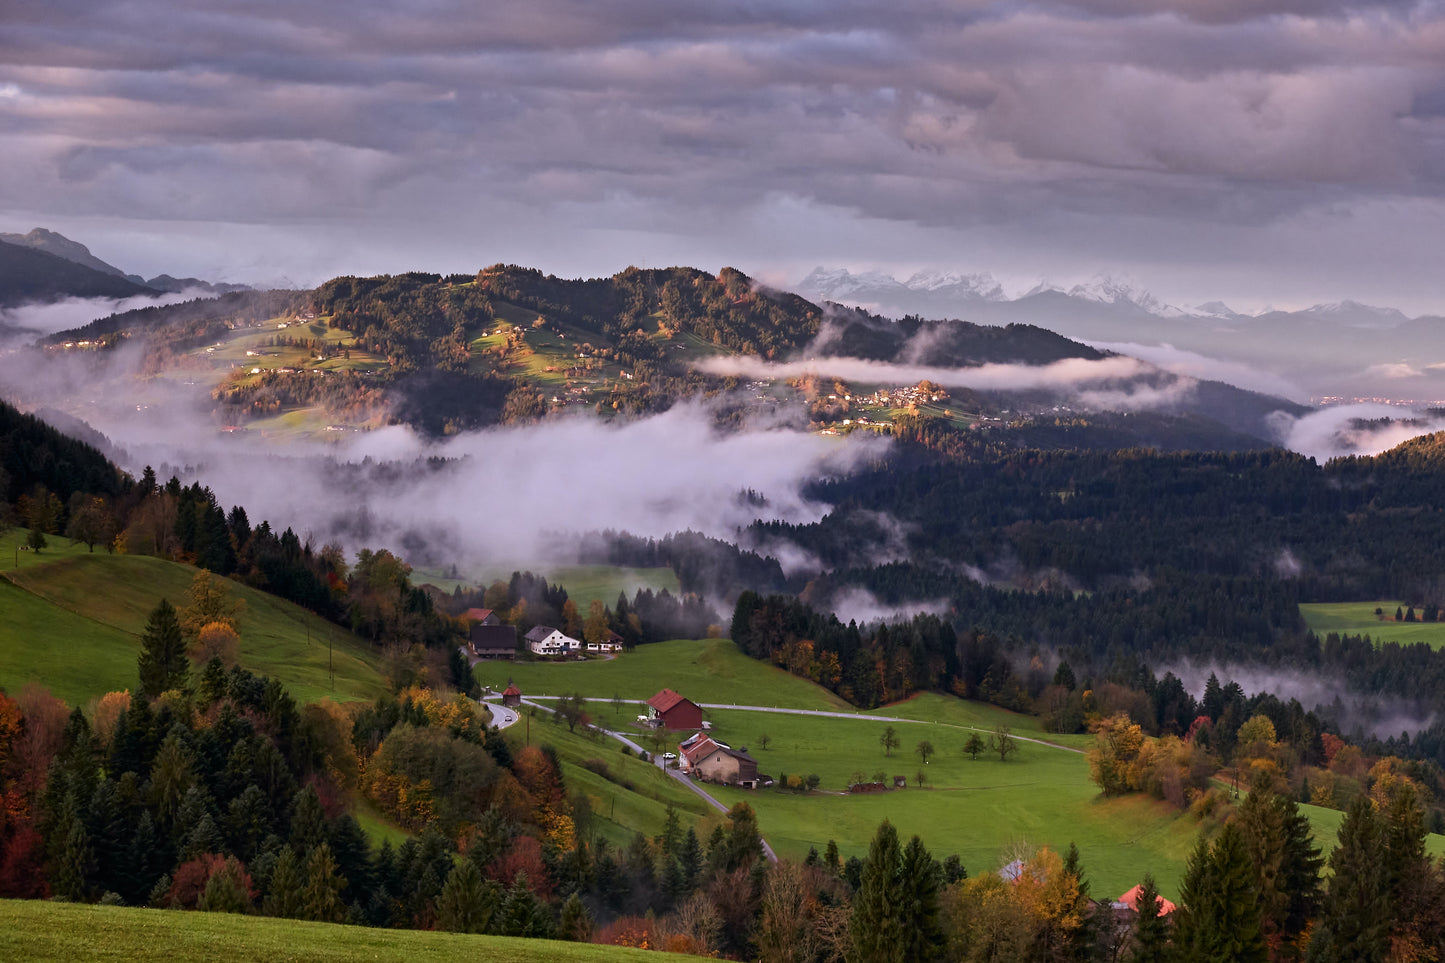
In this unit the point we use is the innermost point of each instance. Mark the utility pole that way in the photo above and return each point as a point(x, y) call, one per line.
point(330, 666)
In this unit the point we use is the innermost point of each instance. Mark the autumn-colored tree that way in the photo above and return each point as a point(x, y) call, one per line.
point(209, 602)
point(216, 640)
point(105, 715)
point(1117, 742)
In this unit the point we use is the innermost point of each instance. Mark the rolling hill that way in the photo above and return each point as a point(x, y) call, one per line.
point(28, 274)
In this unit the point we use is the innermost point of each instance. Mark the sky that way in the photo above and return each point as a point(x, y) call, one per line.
point(1280, 152)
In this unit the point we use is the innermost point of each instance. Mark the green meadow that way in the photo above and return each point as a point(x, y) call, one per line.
point(72, 621)
point(583, 583)
point(43, 932)
point(1359, 618)
point(710, 670)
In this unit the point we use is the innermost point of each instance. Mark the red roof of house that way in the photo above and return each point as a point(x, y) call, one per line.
point(476, 615)
point(698, 750)
point(512, 690)
point(1131, 900)
point(666, 700)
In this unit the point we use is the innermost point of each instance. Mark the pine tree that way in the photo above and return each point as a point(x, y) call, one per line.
point(228, 889)
point(521, 913)
point(576, 923)
point(1151, 931)
point(1220, 922)
point(308, 821)
point(467, 902)
point(204, 838)
point(876, 927)
point(918, 907)
point(321, 900)
point(831, 858)
point(1080, 944)
point(689, 862)
point(163, 664)
point(73, 870)
point(1354, 922)
point(284, 894)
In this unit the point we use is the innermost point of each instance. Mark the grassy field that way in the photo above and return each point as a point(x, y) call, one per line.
point(73, 622)
point(63, 932)
point(984, 810)
point(582, 582)
point(618, 811)
point(710, 670)
point(1358, 618)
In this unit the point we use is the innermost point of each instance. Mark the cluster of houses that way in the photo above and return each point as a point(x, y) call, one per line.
point(490, 639)
point(545, 640)
point(700, 755)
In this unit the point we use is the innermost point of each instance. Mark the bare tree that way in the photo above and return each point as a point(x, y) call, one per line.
point(890, 740)
point(763, 740)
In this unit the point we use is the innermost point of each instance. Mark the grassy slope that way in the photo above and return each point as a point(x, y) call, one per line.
point(1358, 618)
point(977, 808)
point(582, 582)
point(98, 605)
point(710, 670)
point(40, 931)
point(617, 810)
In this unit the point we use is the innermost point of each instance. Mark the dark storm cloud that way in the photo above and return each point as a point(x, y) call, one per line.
point(660, 114)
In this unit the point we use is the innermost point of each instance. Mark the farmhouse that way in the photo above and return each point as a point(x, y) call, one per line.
point(492, 641)
point(671, 711)
point(695, 748)
point(612, 643)
point(1130, 901)
point(481, 617)
point(511, 696)
point(731, 767)
point(545, 640)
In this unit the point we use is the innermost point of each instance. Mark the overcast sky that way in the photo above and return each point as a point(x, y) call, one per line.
point(1259, 151)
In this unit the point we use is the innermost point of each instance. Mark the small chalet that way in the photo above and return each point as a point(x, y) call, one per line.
point(481, 617)
point(511, 696)
point(545, 640)
point(493, 641)
point(671, 711)
point(723, 764)
point(612, 643)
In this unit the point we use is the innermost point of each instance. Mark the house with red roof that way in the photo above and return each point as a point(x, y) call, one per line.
point(511, 696)
point(669, 710)
point(1130, 900)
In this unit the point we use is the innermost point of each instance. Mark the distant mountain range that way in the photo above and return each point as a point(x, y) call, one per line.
point(1345, 348)
point(44, 266)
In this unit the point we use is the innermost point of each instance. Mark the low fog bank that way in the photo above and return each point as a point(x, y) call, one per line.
point(1360, 429)
point(1377, 715)
point(1103, 383)
point(30, 321)
point(503, 494)
point(862, 606)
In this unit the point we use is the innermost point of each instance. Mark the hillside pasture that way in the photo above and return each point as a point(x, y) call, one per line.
point(44, 932)
point(116, 593)
point(706, 670)
point(1358, 618)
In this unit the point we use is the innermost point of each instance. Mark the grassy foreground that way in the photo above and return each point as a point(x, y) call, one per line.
point(1358, 618)
point(41, 931)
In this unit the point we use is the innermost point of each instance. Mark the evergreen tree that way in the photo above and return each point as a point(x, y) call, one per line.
point(521, 913)
point(1354, 922)
point(1081, 943)
point(321, 900)
point(353, 856)
point(140, 868)
point(285, 891)
point(689, 862)
point(1220, 922)
point(248, 822)
point(876, 926)
point(308, 821)
point(1151, 931)
point(918, 907)
point(467, 902)
point(163, 664)
point(72, 873)
point(576, 922)
point(831, 858)
point(227, 890)
point(204, 838)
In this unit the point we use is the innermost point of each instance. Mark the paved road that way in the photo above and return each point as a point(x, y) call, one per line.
point(502, 717)
point(661, 764)
point(849, 715)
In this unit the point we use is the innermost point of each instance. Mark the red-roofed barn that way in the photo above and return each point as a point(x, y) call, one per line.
point(672, 711)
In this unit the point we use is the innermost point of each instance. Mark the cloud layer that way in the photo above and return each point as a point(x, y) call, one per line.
point(1175, 137)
